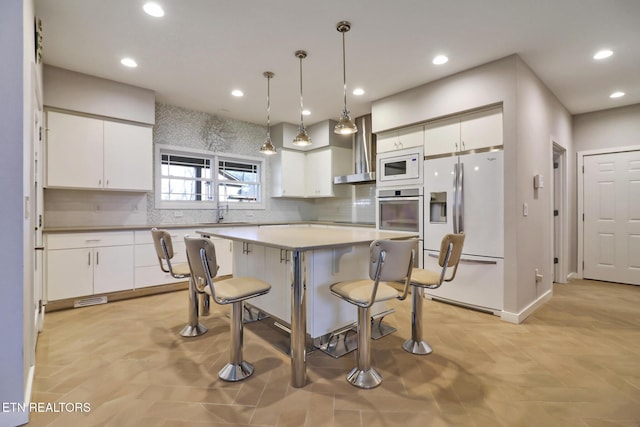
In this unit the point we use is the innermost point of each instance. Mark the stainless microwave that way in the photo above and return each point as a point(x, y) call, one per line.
point(400, 168)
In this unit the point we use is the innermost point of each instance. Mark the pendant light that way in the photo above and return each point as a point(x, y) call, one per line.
point(345, 125)
point(302, 139)
point(268, 147)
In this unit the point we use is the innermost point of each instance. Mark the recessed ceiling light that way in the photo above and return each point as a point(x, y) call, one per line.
point(616, 95)
point(358, 91)
point(440, 59)
point(602, 54)
point(129, 62)
point(306, 112)
point(153, 9)
point(237, 92)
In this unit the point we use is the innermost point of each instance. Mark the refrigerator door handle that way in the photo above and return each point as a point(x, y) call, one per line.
point(468, 261)
point(455, 198)
point(460, 194)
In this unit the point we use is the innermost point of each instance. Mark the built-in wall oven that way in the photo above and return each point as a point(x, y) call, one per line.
point(401, 209)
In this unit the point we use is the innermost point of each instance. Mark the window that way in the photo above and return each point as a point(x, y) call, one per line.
point(196, 179)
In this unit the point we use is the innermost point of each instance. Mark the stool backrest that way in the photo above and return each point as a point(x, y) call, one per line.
point(162, 242)
point(391, 260)
point(201, 256)
point(450, 252)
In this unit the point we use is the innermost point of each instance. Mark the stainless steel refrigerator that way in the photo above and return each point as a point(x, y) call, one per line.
point(465, 194)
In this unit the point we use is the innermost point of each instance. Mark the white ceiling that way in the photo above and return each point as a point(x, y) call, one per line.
point(202, 49)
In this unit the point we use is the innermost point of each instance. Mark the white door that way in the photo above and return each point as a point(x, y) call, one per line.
point(612, 217)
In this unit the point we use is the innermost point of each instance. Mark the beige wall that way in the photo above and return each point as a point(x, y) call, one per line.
point(73, 91)
point(617, 127)
point(541, 121)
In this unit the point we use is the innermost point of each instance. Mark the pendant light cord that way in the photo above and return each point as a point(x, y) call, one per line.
point(344, 72)
point(301, 103)
point(268, 106)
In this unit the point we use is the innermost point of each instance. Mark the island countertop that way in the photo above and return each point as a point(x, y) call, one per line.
point(301, 238)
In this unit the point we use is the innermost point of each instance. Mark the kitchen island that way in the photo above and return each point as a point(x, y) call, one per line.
point(307, 260)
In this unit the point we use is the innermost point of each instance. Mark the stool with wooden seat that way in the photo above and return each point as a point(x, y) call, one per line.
point(164, 250)
point(421, 279)
point(201, 256)
point(390, 261)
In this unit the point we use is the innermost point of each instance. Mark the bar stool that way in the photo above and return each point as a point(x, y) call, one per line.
point(421, 279)
point(164, 250)
point(390, 261)
point(201, 256)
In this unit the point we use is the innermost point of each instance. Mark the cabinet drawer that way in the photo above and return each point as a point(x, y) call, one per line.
point(153, 276)
point(177, 234)
point(145, 255)
point(86, 240)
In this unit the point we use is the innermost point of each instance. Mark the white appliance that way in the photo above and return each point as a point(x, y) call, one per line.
point(401, 209)
point(400, 168)
point(465, 194)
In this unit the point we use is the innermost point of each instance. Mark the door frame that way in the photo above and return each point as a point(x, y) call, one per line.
point(580, 211)
point(560, 192)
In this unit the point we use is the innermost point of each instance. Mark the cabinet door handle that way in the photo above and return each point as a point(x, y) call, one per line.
point(89, 258)
point(99, 182)
point(97, 258)
point(463, 146)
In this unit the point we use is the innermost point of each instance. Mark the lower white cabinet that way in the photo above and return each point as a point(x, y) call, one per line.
point(147, 267)
point(83, 264)
point(91, 263)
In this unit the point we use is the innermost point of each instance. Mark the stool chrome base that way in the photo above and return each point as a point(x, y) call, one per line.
point(233, 373)
point(369, 378)
point(193, 331)
point(417, 347)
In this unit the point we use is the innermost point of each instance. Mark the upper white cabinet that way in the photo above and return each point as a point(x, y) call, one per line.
point(466, 132)
point(84, 152)
point(322, 165)
point(288, 173)
point(398, 139)
point(299, 174)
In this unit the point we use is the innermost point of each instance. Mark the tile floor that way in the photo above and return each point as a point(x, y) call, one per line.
point(574, 363)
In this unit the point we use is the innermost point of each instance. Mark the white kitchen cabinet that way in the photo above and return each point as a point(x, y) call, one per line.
point(84, 264)
point(69, 273)
point(147, 268)
point(399, 139)
point(310, 174)
point(128, 157)
point(90, 153)
point(278, 275)
point(322, 165)
point(462, 133)
point(288, 173)
point(74, 151)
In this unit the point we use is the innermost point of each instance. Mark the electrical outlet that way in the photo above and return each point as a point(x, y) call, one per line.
point(178, 214)
point(525, 209)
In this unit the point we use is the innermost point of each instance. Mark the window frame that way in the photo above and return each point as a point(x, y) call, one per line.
point(215, 158)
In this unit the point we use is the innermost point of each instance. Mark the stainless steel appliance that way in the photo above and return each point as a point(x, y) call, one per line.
point(364, 152)
point(400, 168)
point(401, 209)
point(465, 194)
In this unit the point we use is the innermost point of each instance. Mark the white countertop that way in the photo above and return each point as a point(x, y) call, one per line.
point(300, 238)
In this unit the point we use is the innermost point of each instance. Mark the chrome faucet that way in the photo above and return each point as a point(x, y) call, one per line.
point(220, 216)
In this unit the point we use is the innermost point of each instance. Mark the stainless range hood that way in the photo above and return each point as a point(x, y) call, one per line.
point(364, 153)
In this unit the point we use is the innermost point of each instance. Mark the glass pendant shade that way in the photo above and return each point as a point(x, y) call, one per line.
point(268, 147)
point(302, 139)
point(345, 125)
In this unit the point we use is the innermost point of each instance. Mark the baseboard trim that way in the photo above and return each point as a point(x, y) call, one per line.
point(572, 276)
point(518, 318)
